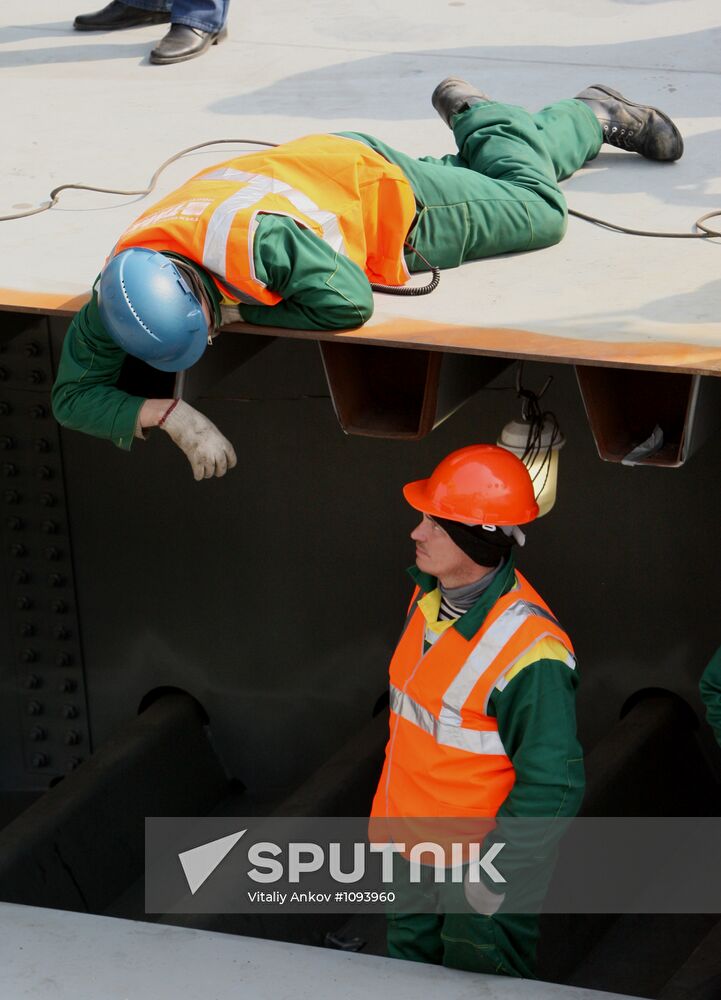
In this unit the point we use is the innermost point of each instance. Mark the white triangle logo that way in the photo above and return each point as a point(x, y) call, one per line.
point(199, 863)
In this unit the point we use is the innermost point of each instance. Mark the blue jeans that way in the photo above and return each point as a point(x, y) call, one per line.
point(208, 15)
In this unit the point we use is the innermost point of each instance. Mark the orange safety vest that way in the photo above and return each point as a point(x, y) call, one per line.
point(342, 190)
point(444, 756)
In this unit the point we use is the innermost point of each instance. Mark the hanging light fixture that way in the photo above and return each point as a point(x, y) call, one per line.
point(536, 439)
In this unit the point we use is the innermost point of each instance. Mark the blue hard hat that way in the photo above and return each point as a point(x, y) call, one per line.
point(150, 310)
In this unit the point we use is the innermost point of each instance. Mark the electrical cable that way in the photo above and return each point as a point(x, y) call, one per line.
point(413, 290)
point(55, 193)
point(540, 422)
point(705, 234)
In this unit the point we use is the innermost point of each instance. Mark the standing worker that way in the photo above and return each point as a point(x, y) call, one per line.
point(482, 698)
point(195, 24)
point(292, 237)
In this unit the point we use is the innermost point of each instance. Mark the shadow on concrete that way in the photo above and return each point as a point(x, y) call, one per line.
point(687, 308)
point(22, 32)
point(75, 54)
point(397, 85)
point(690, 181)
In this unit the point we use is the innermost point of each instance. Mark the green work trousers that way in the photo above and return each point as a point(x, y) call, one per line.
point(436, 924)
point(501, 945)
point(499, 193)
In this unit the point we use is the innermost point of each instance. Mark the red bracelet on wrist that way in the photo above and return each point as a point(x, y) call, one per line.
point(168, 412)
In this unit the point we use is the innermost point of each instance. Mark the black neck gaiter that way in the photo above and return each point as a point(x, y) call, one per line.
point(484, 545)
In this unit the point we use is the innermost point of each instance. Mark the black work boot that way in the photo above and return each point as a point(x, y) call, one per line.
point(117, 16)
point(183, 42)
point(637, 128)
point(454, 95)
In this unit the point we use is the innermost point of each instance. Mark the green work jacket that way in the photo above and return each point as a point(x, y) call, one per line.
point(711, 693)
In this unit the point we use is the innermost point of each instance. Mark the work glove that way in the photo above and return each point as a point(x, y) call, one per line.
point(208, 451)
point(480, 898)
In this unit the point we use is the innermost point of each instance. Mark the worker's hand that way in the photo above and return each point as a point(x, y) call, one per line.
point(480, 898)
point(208, 451)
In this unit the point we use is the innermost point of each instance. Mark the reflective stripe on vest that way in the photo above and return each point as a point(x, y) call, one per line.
point(569, 659)
point(496, 637)
point(447, 729)
point(257, 186)
point(444, 733)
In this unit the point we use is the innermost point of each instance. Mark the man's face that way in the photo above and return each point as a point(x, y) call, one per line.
point(438, 554)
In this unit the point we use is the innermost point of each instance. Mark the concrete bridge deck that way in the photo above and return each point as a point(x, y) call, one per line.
point(57, 955)
point(89, 107)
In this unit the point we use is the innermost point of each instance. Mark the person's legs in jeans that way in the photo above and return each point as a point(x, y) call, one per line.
point(208, 15)
point(148, 4)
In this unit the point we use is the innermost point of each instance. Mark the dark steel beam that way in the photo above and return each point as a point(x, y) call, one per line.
point(82, 843)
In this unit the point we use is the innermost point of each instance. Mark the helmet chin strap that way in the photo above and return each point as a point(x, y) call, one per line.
point(200, 292)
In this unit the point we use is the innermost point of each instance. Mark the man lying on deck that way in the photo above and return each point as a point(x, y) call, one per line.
point(294, 236)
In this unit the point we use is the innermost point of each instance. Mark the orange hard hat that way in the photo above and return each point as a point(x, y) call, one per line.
point(481, 484)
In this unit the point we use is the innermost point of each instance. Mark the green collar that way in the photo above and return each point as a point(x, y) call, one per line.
point(469, 623)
